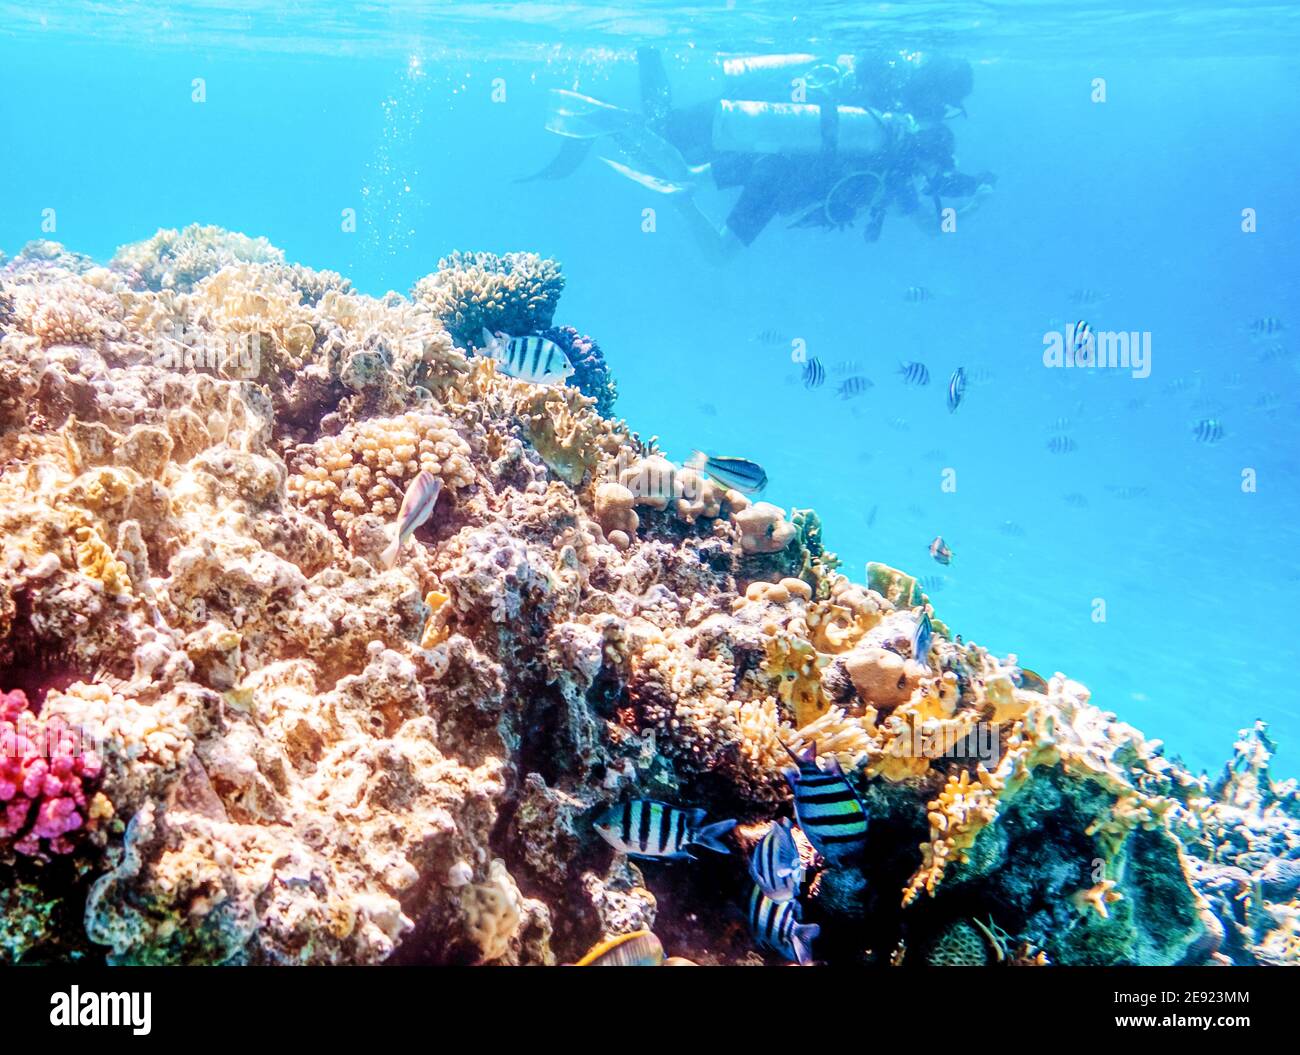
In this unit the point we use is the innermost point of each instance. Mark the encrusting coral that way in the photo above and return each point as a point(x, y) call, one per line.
point(300, 755)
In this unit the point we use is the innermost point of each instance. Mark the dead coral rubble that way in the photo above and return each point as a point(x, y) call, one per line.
point(302, 757)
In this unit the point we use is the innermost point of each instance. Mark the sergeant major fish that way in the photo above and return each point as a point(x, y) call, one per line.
point(738, 473)
point(417, 506)
point(854, 386)
point(775, 864)
point(828, 809)
point(914, 373)
point(645, 828)
point(533, 359)
point(814, 374)
point(956, 389)
point(1208, 430)
point(776, 926)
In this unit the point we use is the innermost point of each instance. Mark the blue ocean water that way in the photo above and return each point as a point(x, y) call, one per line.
point(421, 117)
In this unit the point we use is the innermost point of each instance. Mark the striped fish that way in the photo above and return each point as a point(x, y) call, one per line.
point(1208, 430)
point(1081, 342)
point(921, 639)
point(738, 473)
point(1061, 445)
point(917, 295)
point(1266, 326)
point(956, 388)
point(644, 828)
point(914, 373)
point(828, 809)
point(533, 359)
point(776, 926)
point(1084, 297)
point(417, 506)
point(775, 864)
point(814, 374)
point(854, 386)
point(638, 949)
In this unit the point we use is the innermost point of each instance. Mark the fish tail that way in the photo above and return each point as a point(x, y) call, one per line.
point(802, 939)
point(389, 557)
point(697, 460)
point(711, 836)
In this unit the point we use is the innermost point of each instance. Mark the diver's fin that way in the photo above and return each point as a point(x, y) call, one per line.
point(652, 183)
point(656, 96)
point(577, 116)
point(572, 154)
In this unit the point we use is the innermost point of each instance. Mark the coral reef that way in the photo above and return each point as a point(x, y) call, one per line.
point(590, 371)
point(303, 757)
point(515, 293)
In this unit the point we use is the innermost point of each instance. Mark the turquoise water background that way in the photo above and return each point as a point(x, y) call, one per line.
point(314, 111)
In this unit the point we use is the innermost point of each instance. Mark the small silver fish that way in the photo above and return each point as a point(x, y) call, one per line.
point(417, 506)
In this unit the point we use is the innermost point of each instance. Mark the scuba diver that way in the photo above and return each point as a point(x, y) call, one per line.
point(867, 138)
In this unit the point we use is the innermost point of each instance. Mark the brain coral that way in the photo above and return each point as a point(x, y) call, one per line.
point(303, 756)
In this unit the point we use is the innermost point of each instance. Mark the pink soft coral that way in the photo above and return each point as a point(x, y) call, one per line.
point(44, 778)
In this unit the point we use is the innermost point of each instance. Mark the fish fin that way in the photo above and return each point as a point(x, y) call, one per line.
point(697, 460)
point(711, 836)
point(833, 766)
point(650, 183)
point(697, 817)
point(802, 938)
point(791, 777)
point(389, 557)
point(572, 154)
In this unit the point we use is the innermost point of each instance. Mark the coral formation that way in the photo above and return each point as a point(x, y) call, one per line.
point(515, 293)
point(304, 757)
point(590, 371)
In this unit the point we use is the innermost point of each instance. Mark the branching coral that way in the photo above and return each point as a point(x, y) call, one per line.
point(590, 371)
point(515, 293)
point(179, 260)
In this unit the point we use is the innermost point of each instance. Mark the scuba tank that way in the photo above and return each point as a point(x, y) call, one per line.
point(773, 76)
point(754, 127)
